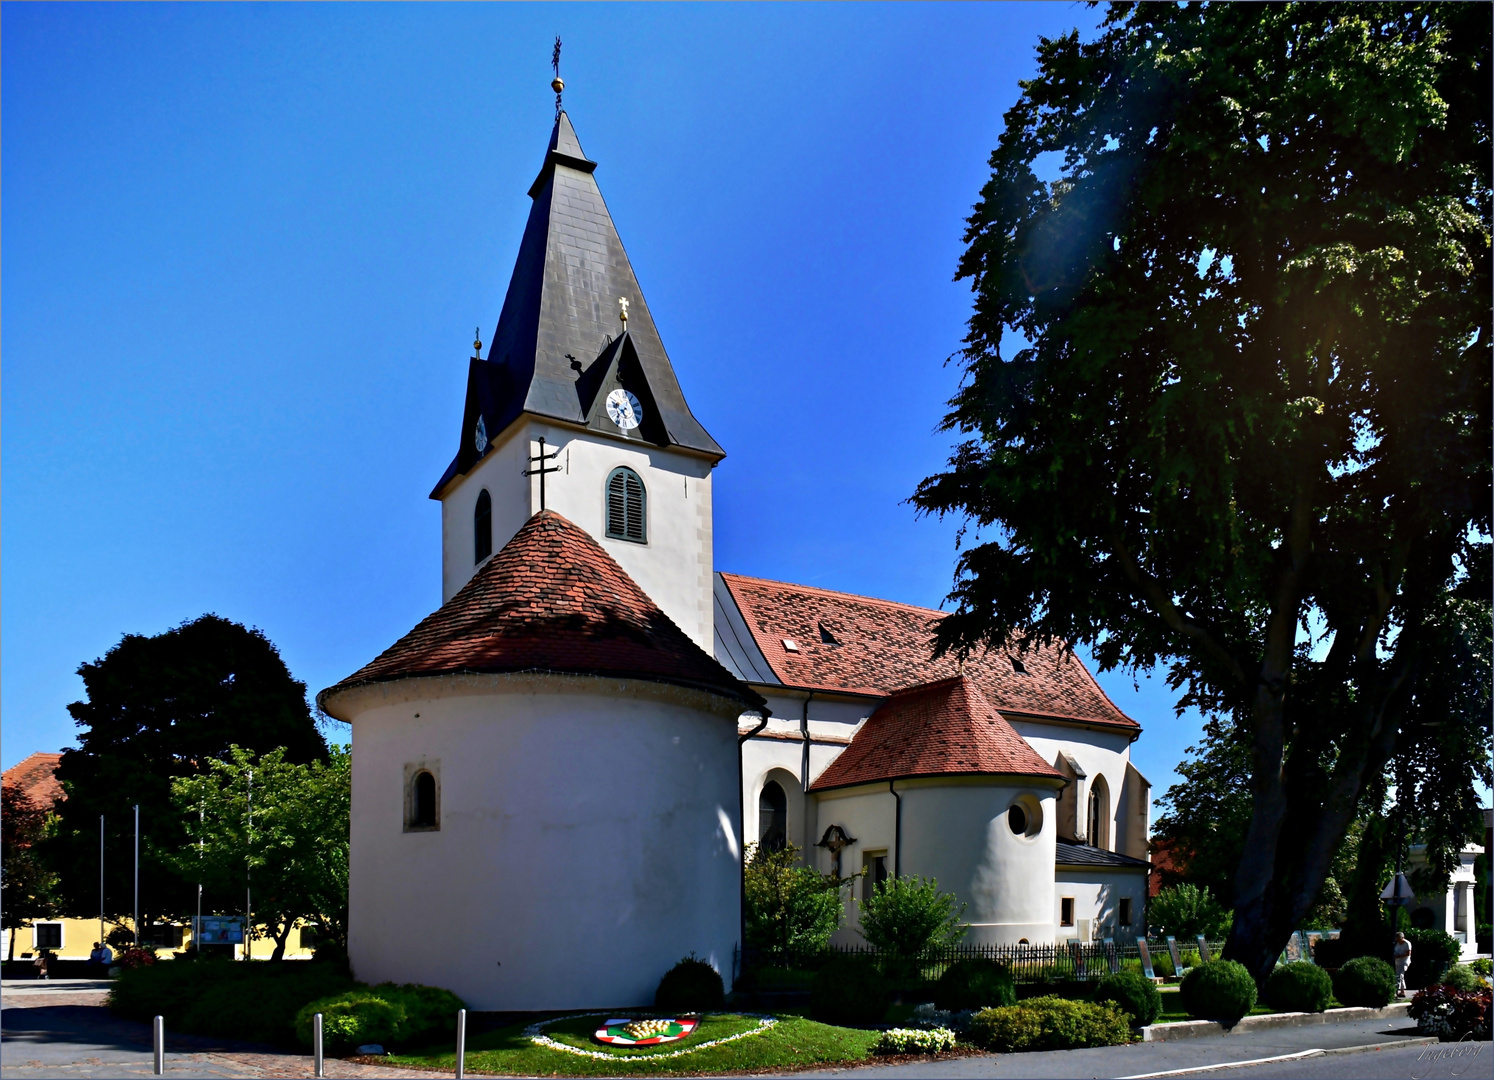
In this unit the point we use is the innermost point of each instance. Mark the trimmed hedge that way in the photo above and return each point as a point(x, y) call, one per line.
point(1366, 981)
point(1049, 1023)
point(1299, 987)
point(1134, 994)
point(399, 1015)
point(975, 984)
point(255, 1000)
point(849, 991)
point(692, 985)
point(1219, 990)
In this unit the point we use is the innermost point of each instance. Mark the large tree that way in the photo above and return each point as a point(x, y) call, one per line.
point(26, 882)
point(1227, 394)
point(275, 833)
point(160, 707)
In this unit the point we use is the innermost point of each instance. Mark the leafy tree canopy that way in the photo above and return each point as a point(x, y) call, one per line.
point(907, 917)
point(26, 882)
point(791, 908)
point(159, 707)
point(1245, 427)
point(280, 829)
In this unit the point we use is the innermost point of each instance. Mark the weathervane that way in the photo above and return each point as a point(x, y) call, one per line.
point(542, 472)
point(557, 84)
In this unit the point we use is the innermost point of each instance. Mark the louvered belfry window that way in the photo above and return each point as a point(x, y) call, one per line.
point(626, 505)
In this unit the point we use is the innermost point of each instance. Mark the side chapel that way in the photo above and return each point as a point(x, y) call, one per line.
point(555, 772)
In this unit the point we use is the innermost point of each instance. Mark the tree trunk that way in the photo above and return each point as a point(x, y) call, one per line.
point(282, 935)
point(12, 957)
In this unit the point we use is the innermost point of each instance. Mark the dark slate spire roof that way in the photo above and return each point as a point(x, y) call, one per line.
point(560, 319)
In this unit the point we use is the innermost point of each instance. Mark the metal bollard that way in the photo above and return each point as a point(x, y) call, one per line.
point(461, 1062)
point(316, 1042)
point(160, 1040)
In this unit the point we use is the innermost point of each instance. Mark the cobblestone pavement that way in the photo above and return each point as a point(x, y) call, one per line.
point(60, 1028)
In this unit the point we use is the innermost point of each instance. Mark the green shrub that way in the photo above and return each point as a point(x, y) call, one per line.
point(791, 909)
point(1366, 981)
point(1299, 987)
point(905, 918)
point(1219, 990)
point(400, 1015)
point(975, 984)
point(849, 991)
point(1482, 965)
point(1432, 953)
point(1185, 911)
point(692, 985)
point(1050, 1023)
point(1134, 994)
point(215, 997)
point(1462, 977)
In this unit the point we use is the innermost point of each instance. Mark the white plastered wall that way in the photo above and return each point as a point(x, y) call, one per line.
point(588, 837)
point(1098, 753)
point(956, 830)
point(1097, 894)
point(674, 567)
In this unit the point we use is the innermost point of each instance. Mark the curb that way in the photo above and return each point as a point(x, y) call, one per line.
point(1197, 1029)
point(1394, 1044)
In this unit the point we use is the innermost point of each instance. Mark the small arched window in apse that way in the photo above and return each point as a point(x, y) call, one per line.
point(423, 801)
point(772, 817)
point(627, 506)
point(482, 526)
point(1098, 811)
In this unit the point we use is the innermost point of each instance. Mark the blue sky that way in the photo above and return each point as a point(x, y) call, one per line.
point(245, 247)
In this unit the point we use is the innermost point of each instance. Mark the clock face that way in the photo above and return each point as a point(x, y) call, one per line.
point(624, 409)
point(480, 436)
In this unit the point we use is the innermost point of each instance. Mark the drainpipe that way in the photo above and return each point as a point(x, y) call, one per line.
point(897, 837)
point(742, 811)
point(804, 763)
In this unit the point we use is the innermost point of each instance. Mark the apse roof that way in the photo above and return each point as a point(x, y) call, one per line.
point(552, 600)
point(946, 728)
point(561, 314)
point(1069, 854)
point(771, 633)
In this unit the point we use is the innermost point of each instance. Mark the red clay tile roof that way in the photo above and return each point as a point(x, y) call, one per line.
point(884, 646)
point(947, 728)
point(552, 600)
point(37, 778)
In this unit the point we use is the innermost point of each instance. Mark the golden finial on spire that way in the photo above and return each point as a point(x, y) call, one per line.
point(557, 84)
point(622, 310)
point(477, 344)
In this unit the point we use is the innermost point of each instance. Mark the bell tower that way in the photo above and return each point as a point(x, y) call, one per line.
point(577, 362)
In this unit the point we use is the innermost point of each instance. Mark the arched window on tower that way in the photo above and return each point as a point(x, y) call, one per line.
point(627, 505)
point(482, 526)
point(423, 801)
point(772, 817)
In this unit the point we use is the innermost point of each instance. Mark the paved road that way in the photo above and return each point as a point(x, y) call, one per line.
point(60, 1029)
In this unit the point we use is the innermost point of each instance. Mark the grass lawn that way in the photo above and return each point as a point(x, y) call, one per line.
point(793, 1042)
point(1173, 1011)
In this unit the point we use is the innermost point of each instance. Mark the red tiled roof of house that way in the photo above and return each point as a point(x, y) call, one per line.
point(552, 600)
point(37, 778)
point(881, 646)
point(947, 728)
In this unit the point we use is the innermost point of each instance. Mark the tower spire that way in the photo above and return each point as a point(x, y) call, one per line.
point(557, 84)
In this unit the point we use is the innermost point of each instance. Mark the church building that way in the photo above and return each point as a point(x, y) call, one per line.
point(557, 775)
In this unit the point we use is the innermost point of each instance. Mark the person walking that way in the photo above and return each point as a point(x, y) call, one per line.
point(1402, 956)
point(43, 963)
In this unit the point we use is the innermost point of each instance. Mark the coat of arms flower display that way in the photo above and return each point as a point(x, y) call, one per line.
point(623, 1033)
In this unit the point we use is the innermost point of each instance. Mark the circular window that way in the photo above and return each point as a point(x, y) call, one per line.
point(1016, 817)
point(1025, 816)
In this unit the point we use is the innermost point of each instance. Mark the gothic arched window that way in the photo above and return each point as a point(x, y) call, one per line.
point(482, 526)
point(423, 801)
point(627, 505)
point(772, 817)
point(1099, 814)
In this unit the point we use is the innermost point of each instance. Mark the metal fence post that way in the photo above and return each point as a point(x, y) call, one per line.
point(461, 1054)
point(316, 1042)
point(159, 1026)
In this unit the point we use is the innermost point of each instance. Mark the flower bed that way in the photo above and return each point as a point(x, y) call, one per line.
point(915, 1041)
